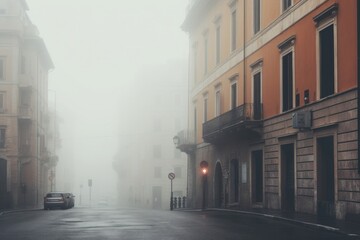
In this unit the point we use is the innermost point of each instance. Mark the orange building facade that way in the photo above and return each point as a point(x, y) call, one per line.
point(273, 105)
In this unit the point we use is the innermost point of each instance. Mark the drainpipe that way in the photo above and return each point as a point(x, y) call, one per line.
point(244, 55)
point(358, 75)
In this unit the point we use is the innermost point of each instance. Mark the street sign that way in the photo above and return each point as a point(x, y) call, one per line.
point(171, 176)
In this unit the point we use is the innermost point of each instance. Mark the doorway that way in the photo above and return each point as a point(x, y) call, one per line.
point(218, 186)
point(257, 176)
point(234, 181)
point(287, 178)
point(325, 177)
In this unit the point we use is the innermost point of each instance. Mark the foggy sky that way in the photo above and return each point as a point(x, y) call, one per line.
point(99, 47)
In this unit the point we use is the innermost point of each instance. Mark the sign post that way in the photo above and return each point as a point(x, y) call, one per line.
point(90, 185)
point(171, 176)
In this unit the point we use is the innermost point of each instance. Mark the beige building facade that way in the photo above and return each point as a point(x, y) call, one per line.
point(25, 161)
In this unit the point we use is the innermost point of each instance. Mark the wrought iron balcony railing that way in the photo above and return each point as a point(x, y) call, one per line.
point(25, 112)
point(241, 116)
point(185, 140)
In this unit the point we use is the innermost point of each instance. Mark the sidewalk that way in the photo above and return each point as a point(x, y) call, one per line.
point(341, 226)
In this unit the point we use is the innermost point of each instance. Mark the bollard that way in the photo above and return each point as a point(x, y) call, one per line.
point(175, 202)
point(179, 202)
point(184, 198)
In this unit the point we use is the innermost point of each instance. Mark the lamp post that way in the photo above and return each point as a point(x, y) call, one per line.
point(204, 171)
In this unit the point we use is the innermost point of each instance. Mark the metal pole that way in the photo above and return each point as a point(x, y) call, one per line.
point(90, 196)
point(203, 200)
point(80, 194)
point(171, 196)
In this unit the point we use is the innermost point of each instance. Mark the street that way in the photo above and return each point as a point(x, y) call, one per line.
point(129, 224)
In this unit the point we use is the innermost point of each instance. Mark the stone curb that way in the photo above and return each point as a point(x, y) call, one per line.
point(307, 224)
point(19, 210)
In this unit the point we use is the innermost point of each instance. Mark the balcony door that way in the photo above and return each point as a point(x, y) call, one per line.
point(218, 188)
point(257, 96)
point(325, 177)
point(287, 178)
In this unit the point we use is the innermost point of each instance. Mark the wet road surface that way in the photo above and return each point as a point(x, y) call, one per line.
point(131, 224)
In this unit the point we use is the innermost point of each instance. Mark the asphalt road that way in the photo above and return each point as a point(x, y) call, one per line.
point(130, 224)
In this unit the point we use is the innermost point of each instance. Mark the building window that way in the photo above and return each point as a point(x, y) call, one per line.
point(256, 16)
point(157, 151)
point(233, 30)
point(218, 44)
point(2, 137)
point(205, 109)
point(157, 172)
point(206, 42)
point(287, 81)
point(233, 93)
point(2, 102)
point(2, 69)
point(195, 123)
point(217, 103)
point(195, 52)
point(327, 61)
point(23, 65)
point(286, 4)
point(327, 51)
point(177, 171)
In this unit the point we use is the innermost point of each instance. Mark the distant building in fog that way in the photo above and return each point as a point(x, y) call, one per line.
point(155, 109)
point(25, 160)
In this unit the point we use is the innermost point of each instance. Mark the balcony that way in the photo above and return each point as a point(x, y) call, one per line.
point(185, 141)
point(25, 149)
point(25, 112)
point(26, 80)
point(242, 122)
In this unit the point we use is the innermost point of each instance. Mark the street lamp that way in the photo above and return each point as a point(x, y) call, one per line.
point(204, 171)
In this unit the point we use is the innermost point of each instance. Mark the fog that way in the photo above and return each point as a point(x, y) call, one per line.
point(107, 54)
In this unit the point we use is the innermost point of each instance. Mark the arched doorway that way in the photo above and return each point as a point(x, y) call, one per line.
point(3, 183)
point(234, 181)
point(218, 187)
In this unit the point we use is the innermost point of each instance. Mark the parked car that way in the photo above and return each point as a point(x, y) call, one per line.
point(59, 200)
point(71, 200)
